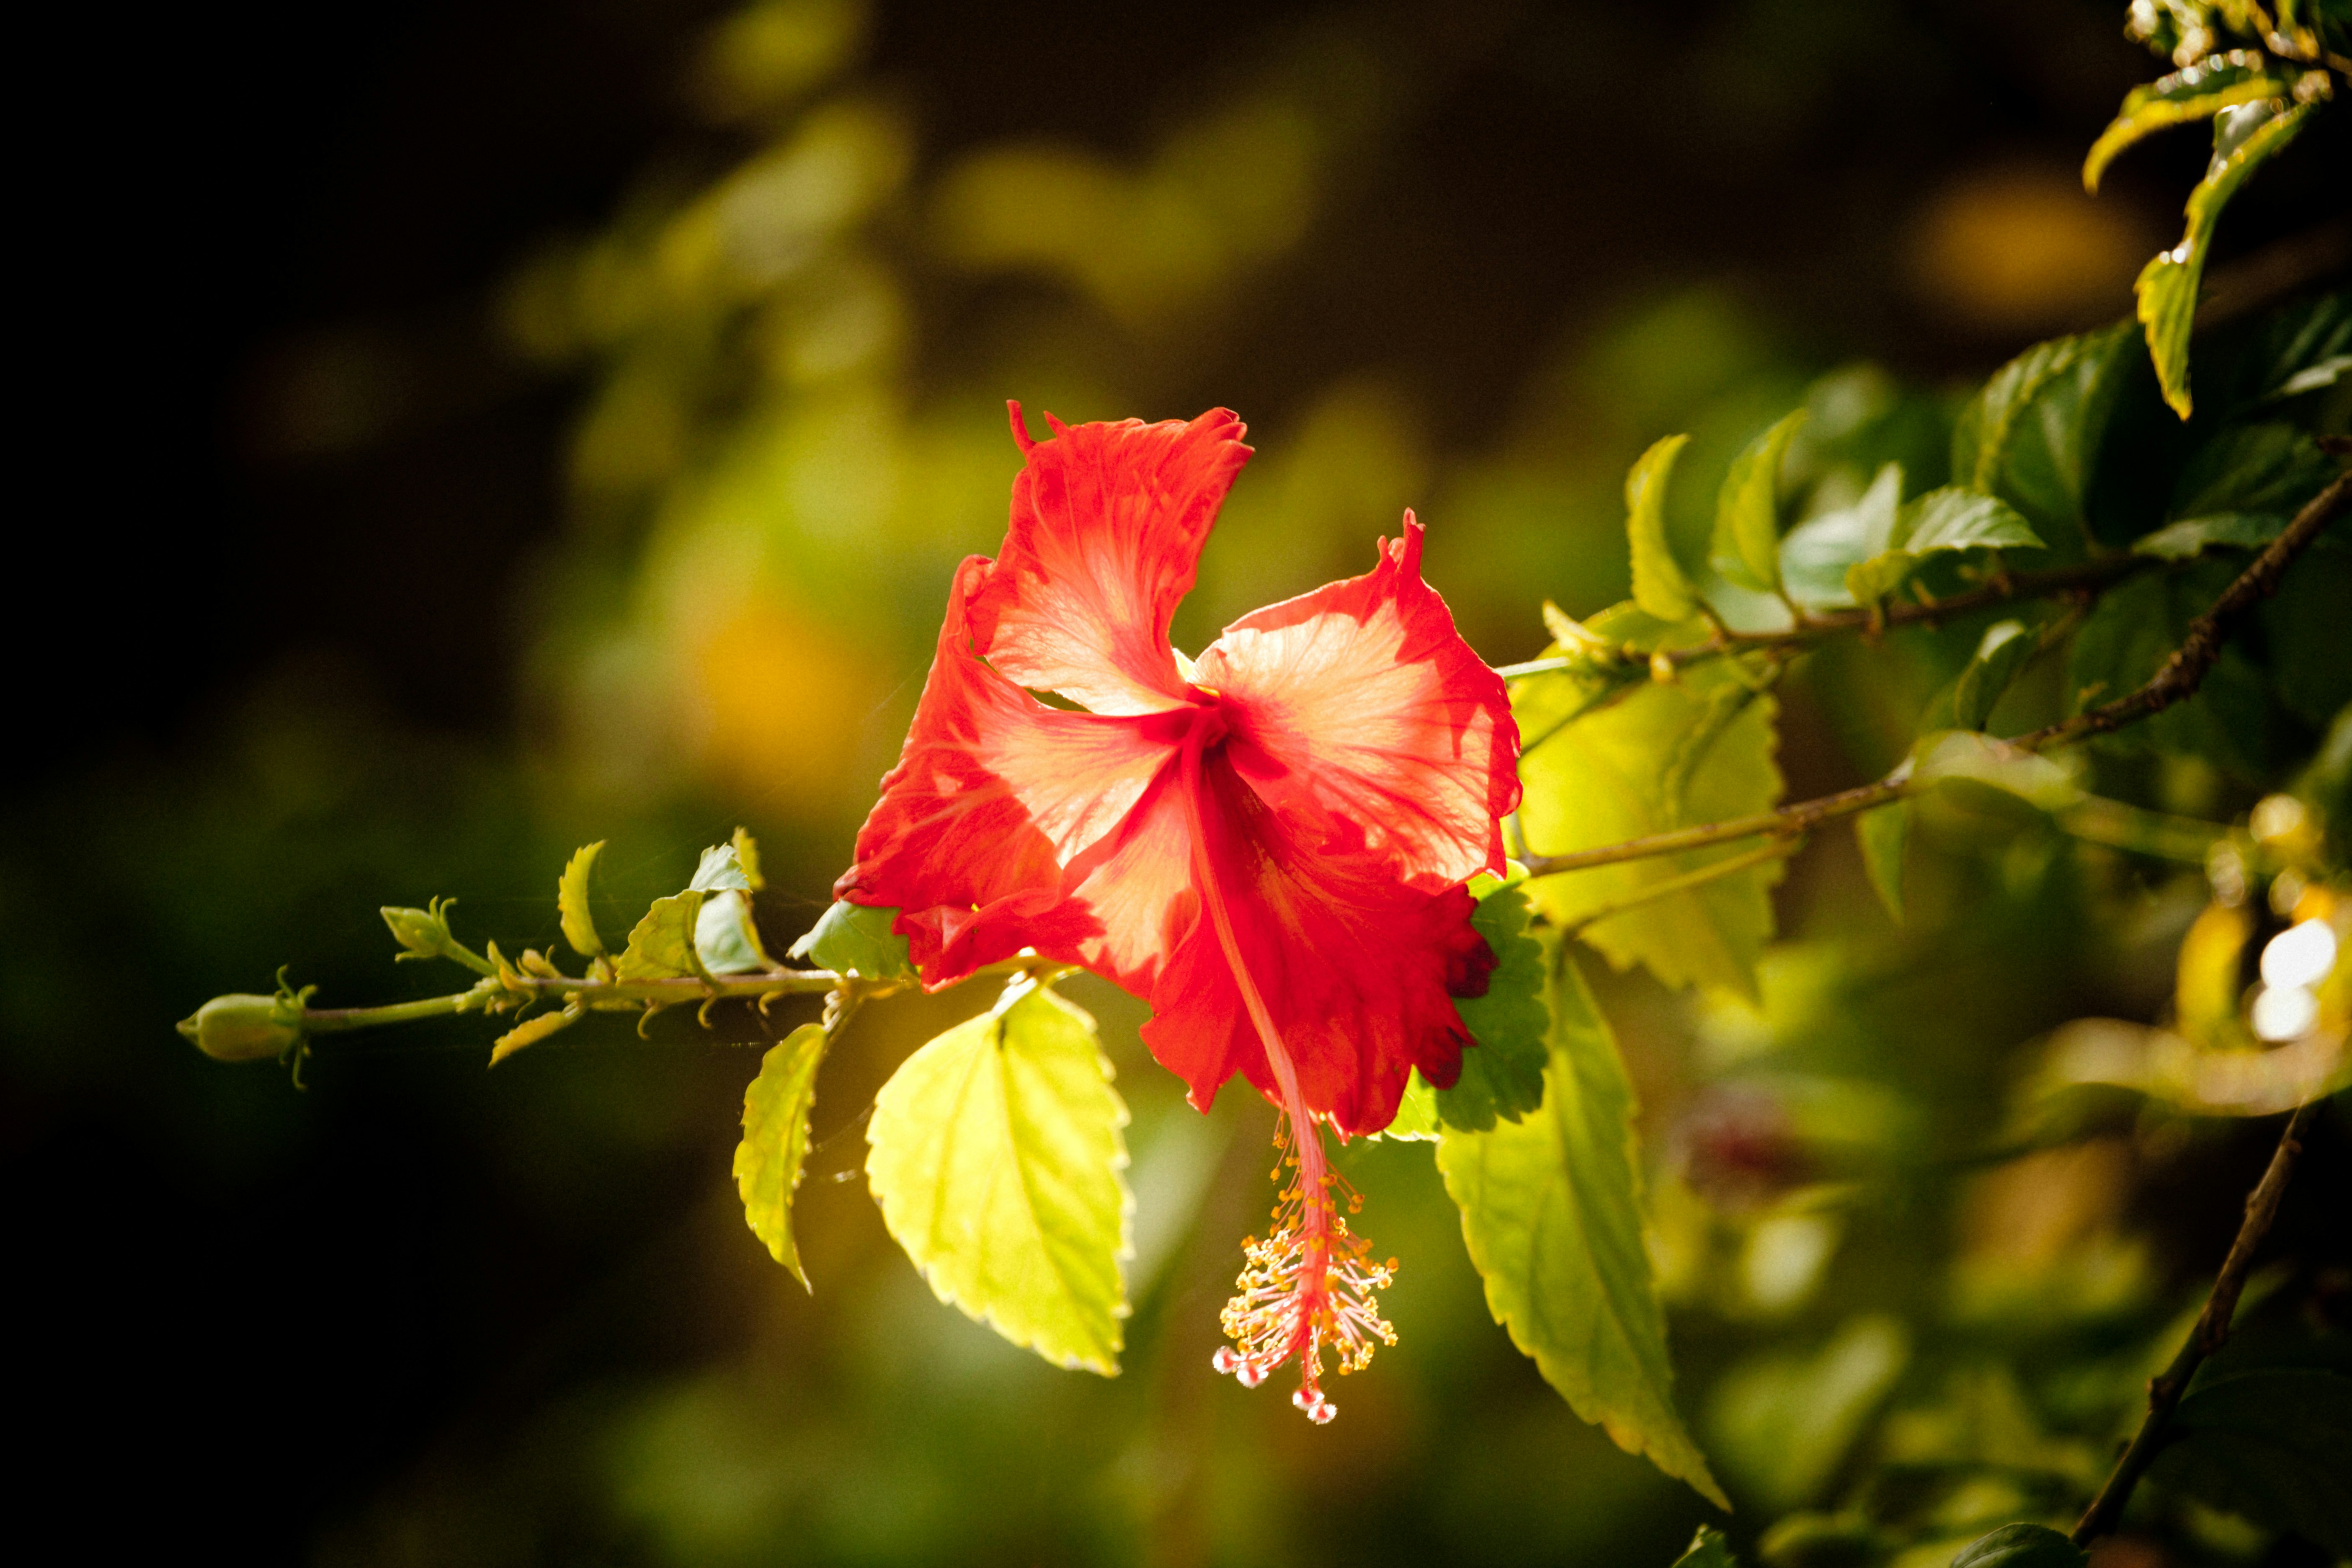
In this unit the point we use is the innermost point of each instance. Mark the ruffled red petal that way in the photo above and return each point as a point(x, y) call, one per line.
point(1354, 965)
point(1360, 701)
point(1107, 524)
point(994, 793)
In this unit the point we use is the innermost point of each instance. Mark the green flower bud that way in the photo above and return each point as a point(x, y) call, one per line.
point(244, 1028)
point(423, 933)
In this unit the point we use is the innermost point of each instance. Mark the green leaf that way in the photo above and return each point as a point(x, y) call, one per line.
point(1783, 1422)
point(1708, 1549)
point(996, 1157)
point(1416, 1118)
point(2275, 1446)
point(531, 1031)
point(1747, 548)
point(1882, 833)
point(1819, 552)
point(1968, 700)
point(2194, 536)
point(2033, 434)
point(720, 870)
point(572, 902)
point(747, 858)
point(1951, 518)
point(1659, 586)
point(661, 947)
point(726, 938)
point(2199, 92)
point(775, 1140)
point(2303, 624)
point(2263, 467)
point(1502, 1074)
point(1668, 755)
point(2022, 1546)
point(1979, 759)
point(1552, 1212)
point(856, 939)
point(2131, 632)
point(2243, 138)
point(2300, 347)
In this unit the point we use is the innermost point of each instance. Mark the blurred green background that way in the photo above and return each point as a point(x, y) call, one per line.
point(475, 430)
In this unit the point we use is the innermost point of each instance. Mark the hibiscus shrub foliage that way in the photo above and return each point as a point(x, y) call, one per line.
point(1389, 887)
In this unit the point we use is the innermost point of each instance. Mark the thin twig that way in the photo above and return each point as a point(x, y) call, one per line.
point(2176, 682)
point(2090, 576)
point(1684, 883)
point(2213, 1331)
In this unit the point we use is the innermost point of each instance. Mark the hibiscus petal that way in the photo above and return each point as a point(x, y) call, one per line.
point(993, 793)
point(1360, 701)
point(1354, 965)
point(1107, 524)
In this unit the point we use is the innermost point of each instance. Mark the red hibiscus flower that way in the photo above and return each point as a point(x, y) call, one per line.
point(1268, 845)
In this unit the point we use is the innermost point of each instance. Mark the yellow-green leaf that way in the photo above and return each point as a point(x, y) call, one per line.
point(2201, 92)
point(1668, 755)
point(1747, 548)
point(1416, 1117)
point(996, 1156)
point(2243, 137)
point(775, 1140)
point(747, 856)
point(661, 947)
point(572, 902)
point(1659, 586)
point(530, 1032)
point(1882, 833)
point(1552, 1212)
point(856, 939)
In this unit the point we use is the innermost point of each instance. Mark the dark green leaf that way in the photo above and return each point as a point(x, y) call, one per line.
point(2265, 468)
point(2133, 628)
point(1967, 701)
point(1503, 1073)
point(775, 1140)
point(572, 902)
point(2204, 89)
point(2303, 346)
point(2306, 626)
point(2033, 435)
point(2243, 138)
point(2022, 1546)
point(1747, 548)
point(1783, 1422)
point(997, 1159)
point(1551, 1211)
point(2228, 531)
point(1660, 586)
point(2275, 1446)
point(1708, 1549)
point(1882, 833)
point(1820, 551)
point(856, 939)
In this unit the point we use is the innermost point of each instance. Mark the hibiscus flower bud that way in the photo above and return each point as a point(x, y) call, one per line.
point(243, 1028)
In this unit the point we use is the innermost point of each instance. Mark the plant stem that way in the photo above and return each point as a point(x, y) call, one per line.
point(1687, 880)
point(2211, 1332)
point(596, 994)
point(2090, 576)
point(2176, 682)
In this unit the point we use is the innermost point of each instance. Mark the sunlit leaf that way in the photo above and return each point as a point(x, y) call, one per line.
point(1819, 552)
point(530, 1032)
point(1659, 586)
point(2199, 92)
point(775, 1140)
point(720, 870)
point(1883, 834)
point(725, 936)
point(1747, 548)
point(1416, 1118)
point(856, 939)
point(2022, 1546)
point(1968, 700)
point(661, 946)
point(2033, 433)
point(572, 902)
point(1552, 1212)
point(2243, 138)
point(747, 858)
point(997, 1159)
point(1503, 1073)
point(1668, 754)
point(1708, 1549)
point(2275, 1446)
point(1950, 518)
point(1956, 754)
